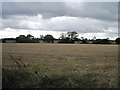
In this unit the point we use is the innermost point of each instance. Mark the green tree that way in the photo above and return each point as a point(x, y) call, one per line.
point(62, 36)
point(117, 41)
point(41, 37)
point(72, 35)
point(49, 39)
point(26, 39)
point(30, 36)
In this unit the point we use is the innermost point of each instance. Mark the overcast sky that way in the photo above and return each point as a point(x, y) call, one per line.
point(89, 19)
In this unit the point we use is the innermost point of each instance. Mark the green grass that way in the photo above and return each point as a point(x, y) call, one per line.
point(49, 68)
point(77, 63)
point(10, 41)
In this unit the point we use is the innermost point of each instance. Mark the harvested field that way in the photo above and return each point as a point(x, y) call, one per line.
point(83, 64)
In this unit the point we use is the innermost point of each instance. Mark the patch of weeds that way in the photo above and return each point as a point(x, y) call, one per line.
point(85, 82)
point(103, 83)
point(77, 63)
point(36, 68)
point(17, 79)
point(49, 68)
point(25, 79)
point(53, 81)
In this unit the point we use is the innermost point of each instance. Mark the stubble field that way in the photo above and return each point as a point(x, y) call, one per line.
point(83, 65)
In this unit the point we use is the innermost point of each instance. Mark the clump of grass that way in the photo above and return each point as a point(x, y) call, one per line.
point(18, 79)
point(25, 79)
point(77, 63)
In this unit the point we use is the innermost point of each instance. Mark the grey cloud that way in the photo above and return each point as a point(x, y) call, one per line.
point(91, 17)
point(97, 10)
point(65, 23)
point(102, 11)
point(27, 8)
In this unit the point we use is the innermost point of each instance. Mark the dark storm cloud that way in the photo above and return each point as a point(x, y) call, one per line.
point(98, 10)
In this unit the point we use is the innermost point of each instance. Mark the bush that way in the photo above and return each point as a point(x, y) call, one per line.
point(117, 41)
point(65, 41)
point(27, 40)
point(101, 41)
point(85, 42)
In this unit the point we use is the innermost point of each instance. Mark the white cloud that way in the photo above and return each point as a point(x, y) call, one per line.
point(37, 24)
point(13, 33)
point(63, 23)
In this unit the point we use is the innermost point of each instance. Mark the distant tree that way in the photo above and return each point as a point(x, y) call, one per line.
point(94, 38)
point(62, 36)
point(21, 39)
point(82, 38)
point(30, 36)
point(41, 37)
point(101, 41)
point(117, 40)
point(72, 35)
point(3, 41)
point(22, 36)
point(107, 38)
point(49, 39)
point(85, 41)
point(69, 37)
point(0, 40)
point(26, 39)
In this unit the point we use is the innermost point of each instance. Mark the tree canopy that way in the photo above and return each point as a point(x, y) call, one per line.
point(117, 41)
point(49, 39)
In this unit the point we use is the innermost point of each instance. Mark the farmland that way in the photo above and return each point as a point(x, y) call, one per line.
point(78, 65)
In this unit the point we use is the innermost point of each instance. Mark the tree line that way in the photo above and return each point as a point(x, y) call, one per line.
point(69, 37)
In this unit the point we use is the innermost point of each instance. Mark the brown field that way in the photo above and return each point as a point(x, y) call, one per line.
point(99, 62)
